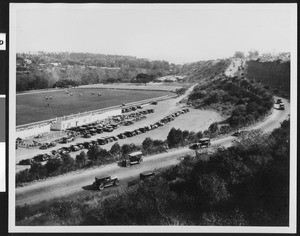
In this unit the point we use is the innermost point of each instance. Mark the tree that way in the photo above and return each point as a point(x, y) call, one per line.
point(147, 143)
point(116, 150)
point(174, 138)
point(253, 55)
point(81, 159)
point(213, 128)
point(53, 165)
point(239, 54)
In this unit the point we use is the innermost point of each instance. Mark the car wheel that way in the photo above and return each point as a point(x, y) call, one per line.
point(101, 187)
point(95, 184)
point(116, 182)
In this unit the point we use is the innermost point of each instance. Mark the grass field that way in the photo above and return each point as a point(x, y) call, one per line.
point(33, 107)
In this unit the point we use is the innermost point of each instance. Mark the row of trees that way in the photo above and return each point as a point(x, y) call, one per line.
point(244, 185)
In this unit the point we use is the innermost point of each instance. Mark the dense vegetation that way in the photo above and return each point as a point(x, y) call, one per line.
point(238, 98)
point(246, 184)
point(44, 70)
point(275, 73)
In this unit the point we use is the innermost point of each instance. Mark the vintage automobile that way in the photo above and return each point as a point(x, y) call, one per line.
point(74, 148)
point(87, 135)
point(102, 141)
point(147, 174)
point(204, 142)
point(87, 145)
point(44, 146)
point(41, 157)
point(121, 136)
point(143, 130)
point(108, 129)
point(25, 162)
point(128, 134)
point(133, 158)
point(104, 181)
point(281, 106)
point(154, 103)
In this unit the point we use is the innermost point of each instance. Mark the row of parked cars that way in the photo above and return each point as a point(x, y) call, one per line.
point(162, 122)
point(132, 108)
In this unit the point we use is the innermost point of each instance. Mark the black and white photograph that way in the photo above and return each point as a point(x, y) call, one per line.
point(152, 117)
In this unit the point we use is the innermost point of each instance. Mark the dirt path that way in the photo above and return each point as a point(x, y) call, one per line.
point(79, 181)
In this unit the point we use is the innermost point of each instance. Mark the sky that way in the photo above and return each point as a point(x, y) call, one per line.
point(178, 33)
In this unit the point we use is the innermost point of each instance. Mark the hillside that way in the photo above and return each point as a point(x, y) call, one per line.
point(275, 74)
point(204, 70)
point(42, 70)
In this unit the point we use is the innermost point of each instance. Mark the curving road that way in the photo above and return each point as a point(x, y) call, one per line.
point(73, 184)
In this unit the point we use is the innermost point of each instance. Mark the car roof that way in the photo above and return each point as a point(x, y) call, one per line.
point(135, 153)
point(204, 139)
point(102, 176)
point(147, 172)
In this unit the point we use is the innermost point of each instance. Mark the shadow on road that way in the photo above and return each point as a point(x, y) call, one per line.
point(89, 187)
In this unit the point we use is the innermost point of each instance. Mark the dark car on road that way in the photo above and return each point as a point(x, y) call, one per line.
point(133, 158)
point(204, 142)
point(104, 181)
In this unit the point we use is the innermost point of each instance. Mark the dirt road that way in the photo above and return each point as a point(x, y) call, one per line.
point(78, 182)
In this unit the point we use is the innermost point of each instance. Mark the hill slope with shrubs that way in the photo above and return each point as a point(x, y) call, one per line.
point(238, 98)
point(204, 70)
point(244, 185)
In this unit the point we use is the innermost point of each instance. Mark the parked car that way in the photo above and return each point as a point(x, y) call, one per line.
point(44, 147)
point(204, 142)
point(25, 162)
point(143, 130)
point(87, 145)
point(133, 158)
point(104, 181)
point(281, 106)
point(74, 148)
point(108, 129)
point(40, 157)
point(154, 103)
point(127, 123)
point(137, 132)
point(102, 141)
point(121, 136)
point(87, 135)
point(147, 174)
point(128, 134)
